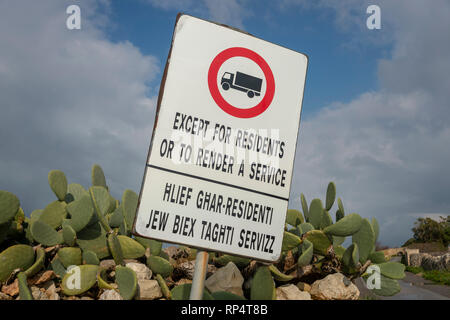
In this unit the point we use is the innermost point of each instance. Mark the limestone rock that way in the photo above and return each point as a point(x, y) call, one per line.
point(334, 287)
point(11, 289)
point(141, 270)
point(182, 281)
point(186, 270)
point(227, 278)
point(148, 290)
point(107, 264)
point(4, 296)
point(38, 294)
point(304, 286)
point(292, 292)
point(42, 277)
point(110, 295)
point(51, 291)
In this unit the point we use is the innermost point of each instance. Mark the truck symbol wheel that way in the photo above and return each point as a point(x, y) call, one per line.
point(225, 86)
point(250, 94)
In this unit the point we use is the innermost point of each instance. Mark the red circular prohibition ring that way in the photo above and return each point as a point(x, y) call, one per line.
point(215, 93)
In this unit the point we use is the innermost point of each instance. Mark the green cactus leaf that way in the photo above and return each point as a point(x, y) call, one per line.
point(69, 256)
point(117, 218)
point(290, 241)
point(339, 251)
point(58, 183)
point(53, 214)
point(100, 199)
point(127, 282)
point(89, 257)
point(345, 227)
point(9, 204)
point(278, 275)
point(112, 204)
point(341, 207)
point(69, 235)
point(262, 284)
point(24, 291)
point(365, 238)
point(304, 207)
point(81, 212)
point(377, 257)
point(307, 253)
point(315, 213)
point(320, 241)
point(45, 234)
point(38, 264)
point(76, 191)
point(376, 228)
point(93, 238)
point(129, 205)
point(294, 217)
point(388, 287)
point(58, 267)
point(164, 288)
point(337, 241)
point(326, 220)
point(115, 248)
point(131, 248)
point(18, 256)
point(154, 245)
point(102, 283)
point(240, 262)
point(79, 279)
point(164, 255)
point(393, 270)
point(182, 292)
point(225, 295)
point(160, 266)
point(4, 231)
point(304, 228)
point(350, 258)
point(331, 196)
point(36, 214)
point(97, 176)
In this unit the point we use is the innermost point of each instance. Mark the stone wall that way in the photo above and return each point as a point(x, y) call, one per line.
point(429, 262)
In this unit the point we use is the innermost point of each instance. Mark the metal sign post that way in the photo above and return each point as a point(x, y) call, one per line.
point(198, 281)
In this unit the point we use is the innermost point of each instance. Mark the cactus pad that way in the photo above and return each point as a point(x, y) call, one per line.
point(346, 226)
point(127, 282)
point(45, 234)
point(131, 248)
point(79, 279)
point(19, 256)
point(9, 204)
point(262, 285)
point(58, 183)
point(160, 266)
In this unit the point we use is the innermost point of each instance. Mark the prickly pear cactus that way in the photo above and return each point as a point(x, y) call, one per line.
point(84, 241)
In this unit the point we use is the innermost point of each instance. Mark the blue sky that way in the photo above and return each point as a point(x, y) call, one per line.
point(375, 114)
point(337, 71)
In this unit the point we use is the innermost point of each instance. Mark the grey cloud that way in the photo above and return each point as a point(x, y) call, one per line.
point(388, 150)
point(68, 99)
point(231, 12)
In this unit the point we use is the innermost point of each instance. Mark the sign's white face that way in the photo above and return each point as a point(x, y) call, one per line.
point(219, 170)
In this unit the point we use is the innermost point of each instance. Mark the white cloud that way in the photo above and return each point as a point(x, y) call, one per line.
point(388, 150)
point(69, 98)
point(229, 12)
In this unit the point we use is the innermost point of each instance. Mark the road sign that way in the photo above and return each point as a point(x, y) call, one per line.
point(220, 162)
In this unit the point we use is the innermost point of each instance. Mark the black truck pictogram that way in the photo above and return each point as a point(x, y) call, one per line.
point(242, 82)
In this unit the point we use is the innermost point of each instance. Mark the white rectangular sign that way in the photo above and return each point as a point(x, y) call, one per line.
point(220, 163)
